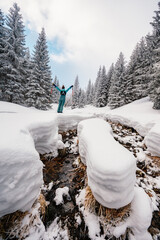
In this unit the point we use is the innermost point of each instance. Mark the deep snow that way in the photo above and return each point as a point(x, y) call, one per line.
point(143, 118)
point(26, 132)
point(110, 166)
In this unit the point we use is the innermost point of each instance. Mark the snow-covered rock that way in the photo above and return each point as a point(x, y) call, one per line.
point(110, 166)
point(24, 133)
point(60, 193)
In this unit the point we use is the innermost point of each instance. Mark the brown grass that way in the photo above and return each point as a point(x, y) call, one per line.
point(43, 205)
point(155, 160)
point(110, 214)
point(10, 224)
point(81, 165)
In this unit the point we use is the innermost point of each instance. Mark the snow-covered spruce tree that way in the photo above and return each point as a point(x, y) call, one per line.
point(31, 86)
point(150, 42)
point(104, 85)
point(3, 61)
point(39, 87)
point(27, 74)
point(97, 88)
point(138, 68)
point(109, 78)
point(89, 93)
point(141, 71)
point(116, 90)
point(15, 52)
point(75, 96)
point(92, 94)
point(55, 92)
point(155, 86)
point(82, 98)
point(129, 76)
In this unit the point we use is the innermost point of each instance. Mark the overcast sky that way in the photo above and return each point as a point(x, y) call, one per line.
point(84, 34)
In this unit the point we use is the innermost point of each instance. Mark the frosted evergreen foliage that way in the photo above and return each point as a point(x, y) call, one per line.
point(16, 35)
point(14, 89)
point(55, 92)
point(3, 62)
point(150, 43)
point(89, 93)
point(109, 78)
point(137, 72)
point(155, 85)
point(116, 90)
point(75, 96)
point(142, 71)
point(103, 89)
point(92, 93)
point(97, 87)
point(27, 74)
point(82, 98)
point(41, 77)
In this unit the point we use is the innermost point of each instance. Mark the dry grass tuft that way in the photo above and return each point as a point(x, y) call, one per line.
point(82, 166)
point(155, 160)
point(9, 221)
point(110, 214)
point(90, 201)
point(43, 205)
point(11, 225)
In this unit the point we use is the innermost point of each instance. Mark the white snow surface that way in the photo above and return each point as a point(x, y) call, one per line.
point(143, 118)
point(138, 221)
point(110, 167)
point(60, 193)
point(140, 218)
point(24, 133)
point(69, 121)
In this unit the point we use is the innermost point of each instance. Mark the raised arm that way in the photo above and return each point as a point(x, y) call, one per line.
point(56, 87)
point(69, 88)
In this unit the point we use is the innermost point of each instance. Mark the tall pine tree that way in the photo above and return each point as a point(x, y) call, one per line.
point(97, 93)
point(89, 93)
point(75, 97)
point(116, 91)
point(55, 92)
point(103, 89)
point(41, 76)
point(16, 40)
point(14, 86)
point(82, 98)
point(3, 60)
point(155, 85)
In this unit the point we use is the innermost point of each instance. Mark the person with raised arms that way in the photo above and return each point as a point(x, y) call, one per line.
point(62, 97)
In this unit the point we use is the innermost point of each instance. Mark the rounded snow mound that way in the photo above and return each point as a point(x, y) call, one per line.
point(110, 167)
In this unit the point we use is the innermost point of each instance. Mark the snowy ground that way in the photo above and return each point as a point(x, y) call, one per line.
point(143, 118)
point(27, 132)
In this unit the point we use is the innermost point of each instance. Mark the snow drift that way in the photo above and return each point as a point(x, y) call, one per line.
point(139, 219)
point(152, 140)
point(110, 167)
point(24, 133)
point(143, 118)
point(70, 121)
